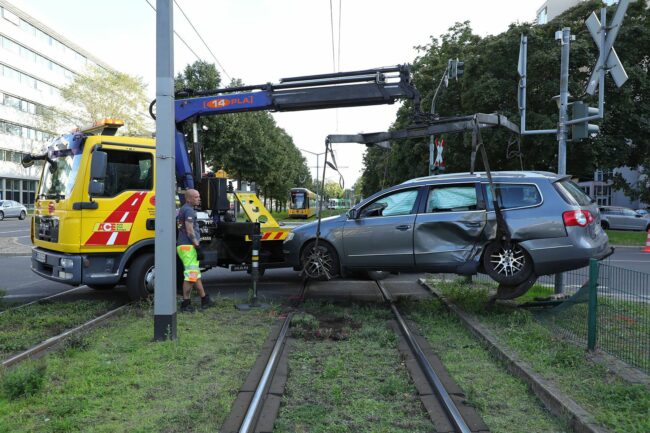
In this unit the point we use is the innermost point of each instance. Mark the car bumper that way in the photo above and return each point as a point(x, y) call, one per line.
point(551, 256)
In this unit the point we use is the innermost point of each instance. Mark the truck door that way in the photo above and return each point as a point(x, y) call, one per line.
point(117, 217)
point(382, 236)
point(450, 226)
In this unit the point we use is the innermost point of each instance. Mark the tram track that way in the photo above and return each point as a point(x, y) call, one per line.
point(40, 300)
point(257, 405)
point(43, 346)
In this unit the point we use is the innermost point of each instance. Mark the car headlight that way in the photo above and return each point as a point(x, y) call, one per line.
point(290, 236)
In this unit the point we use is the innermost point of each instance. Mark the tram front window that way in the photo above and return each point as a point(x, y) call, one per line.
point(298, 200)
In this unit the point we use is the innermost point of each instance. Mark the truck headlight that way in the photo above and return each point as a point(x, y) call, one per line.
point(290, 236)
point(66, 263)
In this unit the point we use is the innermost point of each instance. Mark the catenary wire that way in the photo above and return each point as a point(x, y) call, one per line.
point(202, 40)
point(179, 36)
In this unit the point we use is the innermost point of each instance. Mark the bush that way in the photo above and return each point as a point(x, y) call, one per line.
point(23, 381)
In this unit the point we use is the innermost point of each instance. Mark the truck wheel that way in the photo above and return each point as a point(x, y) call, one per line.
point(102, 286)
point(140, 279)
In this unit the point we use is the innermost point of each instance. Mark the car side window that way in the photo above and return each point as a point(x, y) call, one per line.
point(512, 195)
point(397, 203)
point(127, 171)
point(629, 213)
point(452, 198)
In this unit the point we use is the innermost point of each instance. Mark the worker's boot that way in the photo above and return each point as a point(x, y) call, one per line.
point(186, 306)
point(206, 302)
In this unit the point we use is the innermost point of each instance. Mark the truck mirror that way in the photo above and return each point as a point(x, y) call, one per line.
point(98, 165)
point(28, 161)
point(96, 188)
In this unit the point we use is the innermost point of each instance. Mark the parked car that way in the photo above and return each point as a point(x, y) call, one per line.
point(623, 218)
point(12, 209)
point(643, 212)
point(447, 223)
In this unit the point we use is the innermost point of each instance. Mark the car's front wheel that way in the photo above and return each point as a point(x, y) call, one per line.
point(22, 215)
point(2, 215)
point(507, 265)
point(320, 263)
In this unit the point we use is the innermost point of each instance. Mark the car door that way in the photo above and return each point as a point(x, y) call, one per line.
point(449, 226)
point(633, 220)
point(382, 235)
point(15, 209)
point(6, 208)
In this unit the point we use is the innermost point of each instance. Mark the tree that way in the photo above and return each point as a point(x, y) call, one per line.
point(103, 93)
point(332, 190)
point(490, 85)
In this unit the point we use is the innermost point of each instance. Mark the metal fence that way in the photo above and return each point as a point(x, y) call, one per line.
point(608, 309)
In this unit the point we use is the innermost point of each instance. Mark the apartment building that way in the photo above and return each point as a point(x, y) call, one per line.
point(35, 62)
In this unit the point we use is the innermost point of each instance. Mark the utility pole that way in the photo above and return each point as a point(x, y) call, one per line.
point(164, 321)
point(317, 165)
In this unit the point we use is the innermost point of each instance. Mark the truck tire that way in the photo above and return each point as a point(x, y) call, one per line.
point(141, 278)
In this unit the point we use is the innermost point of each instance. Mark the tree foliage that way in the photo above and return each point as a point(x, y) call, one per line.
point(490, 85)
point(102, 93)
point(248, 146)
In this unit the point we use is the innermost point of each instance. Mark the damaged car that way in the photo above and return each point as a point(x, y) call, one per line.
point(448, 223)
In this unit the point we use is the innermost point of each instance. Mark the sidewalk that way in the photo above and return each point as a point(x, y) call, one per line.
point(11, 247)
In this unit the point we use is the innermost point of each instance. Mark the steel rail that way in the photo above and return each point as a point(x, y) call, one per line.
point(40, 347)
point(256, 402)
point(447, 403)
point(42, 299)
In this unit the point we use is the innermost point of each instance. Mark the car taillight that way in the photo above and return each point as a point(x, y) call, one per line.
point(580, 218)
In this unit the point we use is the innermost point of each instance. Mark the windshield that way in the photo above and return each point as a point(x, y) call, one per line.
point(59, 174)
point(297, 200)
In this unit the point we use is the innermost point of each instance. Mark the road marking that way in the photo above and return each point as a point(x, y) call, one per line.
point(15, 231)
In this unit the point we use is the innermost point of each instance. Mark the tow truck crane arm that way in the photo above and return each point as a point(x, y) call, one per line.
point(311, 92)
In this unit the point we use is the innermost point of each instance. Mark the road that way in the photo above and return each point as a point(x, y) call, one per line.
point(21, 285)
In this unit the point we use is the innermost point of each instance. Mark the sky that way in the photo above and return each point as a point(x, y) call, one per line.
point(261, 41)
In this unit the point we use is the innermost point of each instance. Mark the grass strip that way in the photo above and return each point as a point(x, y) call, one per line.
point(24, 327)
point(614, 403)
point(346, 375)
point(623, 237)
point(116, 379)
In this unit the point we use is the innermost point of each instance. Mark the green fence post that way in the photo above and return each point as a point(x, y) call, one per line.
point(592, 316)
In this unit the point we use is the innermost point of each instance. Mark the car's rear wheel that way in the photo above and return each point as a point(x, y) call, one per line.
point(23, 215)
point(2, 215)
point(507, 265)
point(320, 263)
point(604, 225)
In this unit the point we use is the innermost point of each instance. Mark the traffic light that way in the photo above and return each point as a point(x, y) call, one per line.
point(455, 68)
point(460, 68)
point(582, 130)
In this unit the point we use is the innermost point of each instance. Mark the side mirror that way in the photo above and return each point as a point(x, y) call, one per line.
point(353, 214)
point(96, 188)
point(98, 165)
point(28, 161)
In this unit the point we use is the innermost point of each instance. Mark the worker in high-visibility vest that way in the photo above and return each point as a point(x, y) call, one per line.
point(189, 239)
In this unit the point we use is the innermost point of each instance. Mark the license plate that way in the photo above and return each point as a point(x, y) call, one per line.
point(40, 257)
point(242, 267)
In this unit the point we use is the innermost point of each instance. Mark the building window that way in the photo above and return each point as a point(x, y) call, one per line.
point(542, 16)
point(29, 192)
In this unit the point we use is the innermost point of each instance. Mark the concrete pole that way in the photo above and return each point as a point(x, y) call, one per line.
point(165, 250)
point(562, 131)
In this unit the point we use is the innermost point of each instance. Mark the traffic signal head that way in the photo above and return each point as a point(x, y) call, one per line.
point(582, 130)
point(451, 68)
point(460, 68)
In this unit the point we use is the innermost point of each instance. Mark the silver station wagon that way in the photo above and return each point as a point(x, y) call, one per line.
point(447, 223)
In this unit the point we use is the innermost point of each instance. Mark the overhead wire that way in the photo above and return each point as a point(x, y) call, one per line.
point(177, 35)
point(202, 40)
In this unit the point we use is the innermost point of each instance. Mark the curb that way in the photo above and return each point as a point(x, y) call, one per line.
point(560, 405)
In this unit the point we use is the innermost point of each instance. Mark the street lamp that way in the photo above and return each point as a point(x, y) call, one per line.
point(317, 163)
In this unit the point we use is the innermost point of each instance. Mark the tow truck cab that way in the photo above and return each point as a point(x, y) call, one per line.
point(95, 207)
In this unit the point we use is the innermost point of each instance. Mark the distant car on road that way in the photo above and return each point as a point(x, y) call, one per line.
point(447, 223)
point(623, 218)
point(12, 209)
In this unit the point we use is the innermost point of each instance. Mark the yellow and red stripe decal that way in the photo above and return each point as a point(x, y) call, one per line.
point(116, 229)
point(272, 236)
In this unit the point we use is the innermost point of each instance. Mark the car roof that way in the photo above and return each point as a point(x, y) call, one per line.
point(496, 175)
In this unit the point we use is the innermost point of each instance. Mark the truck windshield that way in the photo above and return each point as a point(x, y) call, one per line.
point(60, 174)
